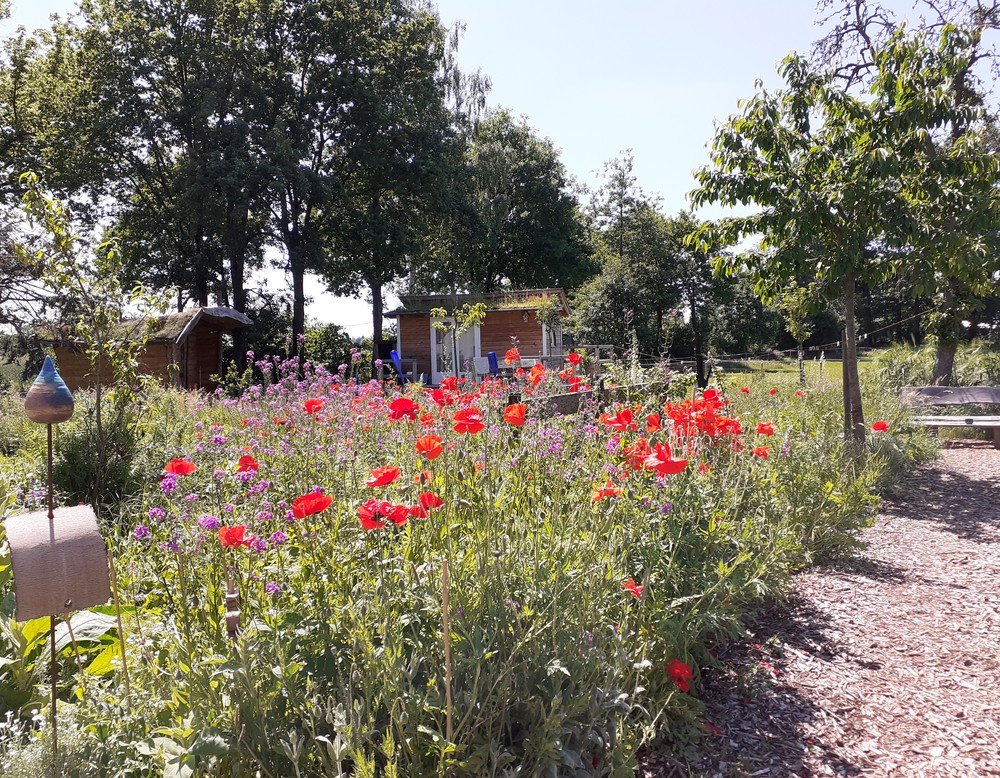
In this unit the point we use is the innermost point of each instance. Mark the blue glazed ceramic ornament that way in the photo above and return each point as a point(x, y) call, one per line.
point(49, 400)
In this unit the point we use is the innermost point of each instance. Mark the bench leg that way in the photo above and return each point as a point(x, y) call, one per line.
point(996, 437)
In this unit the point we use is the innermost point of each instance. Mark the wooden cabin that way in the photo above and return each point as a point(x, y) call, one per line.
point(183, 351)
point(424, 349)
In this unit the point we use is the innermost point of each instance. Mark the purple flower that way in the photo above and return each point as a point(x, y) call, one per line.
point(272, 588)
point(218, 474)
point(277, 538)
point(191, 498)
point(258, 545)
point(142, 532)
point(209, 523)
point(156, 514)
point(169, 484)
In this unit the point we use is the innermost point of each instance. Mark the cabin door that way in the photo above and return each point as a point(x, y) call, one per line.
point(450, 356)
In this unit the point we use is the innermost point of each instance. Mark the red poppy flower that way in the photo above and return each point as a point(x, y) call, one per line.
point(418, 512)
point(403, 408)
point(180, 467)
point(636, 454)
point(608, 490)
point(426, 420)
point(468, 421)
point(880, 426)
point(800, 394)
point(512, 356)
point(714, 730)
point(765, 428)
point(711, 395)
point(515, 414)
point(397, 514)
point(310, 504)
point(370, 512)
point(760, 451)
point(246, 464)
point(653, 423)
point(574, 359)
point(662, 461)
point(629, 585)
point(312, 406)
point(278, 422)
point(233, 537)
point(773, 391)
point(381, 476)
point(621, 421)
point(429, 446)
point(744, 390)
point(680, 673)
point(450, 384)
point(430, 500)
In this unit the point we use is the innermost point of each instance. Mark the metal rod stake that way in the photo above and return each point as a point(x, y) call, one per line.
point(51, 490)
point(55, 673)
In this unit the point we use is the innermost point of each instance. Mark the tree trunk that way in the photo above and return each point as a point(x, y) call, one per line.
point(944, 362)
point(237, 265)
point(854, 415)
point(297, 266)
point(802, 365)
point(377, 308)
point(948, 331)
point(699, 349)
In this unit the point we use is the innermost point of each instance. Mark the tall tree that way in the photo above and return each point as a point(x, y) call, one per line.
point(396, 149)
point(840, 179)
point(510, 216)
point(863, 45)
point(806, 158)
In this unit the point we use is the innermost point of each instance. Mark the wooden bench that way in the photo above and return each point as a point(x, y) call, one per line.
point(931, 396)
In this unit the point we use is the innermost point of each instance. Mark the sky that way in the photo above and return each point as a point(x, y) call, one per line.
point(598, 78)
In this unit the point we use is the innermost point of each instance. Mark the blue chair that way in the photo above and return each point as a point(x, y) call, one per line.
point(397, 363)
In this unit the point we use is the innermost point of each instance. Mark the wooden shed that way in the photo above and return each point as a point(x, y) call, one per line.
point(512, 314)
point(184, 350)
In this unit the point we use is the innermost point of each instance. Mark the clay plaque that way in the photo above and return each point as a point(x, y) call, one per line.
point(59, 565)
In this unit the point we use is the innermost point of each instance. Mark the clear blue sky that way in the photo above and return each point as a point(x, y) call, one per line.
point(598, 78)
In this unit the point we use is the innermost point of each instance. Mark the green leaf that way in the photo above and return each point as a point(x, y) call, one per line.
point(212, 742)
point(88, 627)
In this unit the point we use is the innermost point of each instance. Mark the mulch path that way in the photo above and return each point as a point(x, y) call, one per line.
point(885, 665)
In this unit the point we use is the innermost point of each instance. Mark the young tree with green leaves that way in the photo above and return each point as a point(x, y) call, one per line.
point(843, 184)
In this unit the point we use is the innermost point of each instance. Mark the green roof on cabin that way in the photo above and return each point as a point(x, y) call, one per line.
point(513, 300)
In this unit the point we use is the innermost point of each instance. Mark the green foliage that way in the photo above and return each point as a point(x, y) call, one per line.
point(340, 664)
point(976, 364)
point(97, 465)
point(852, 189)
point(104, 482)
point(512, 219)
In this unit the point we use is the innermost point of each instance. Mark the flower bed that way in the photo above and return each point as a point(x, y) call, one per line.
point(585, 564)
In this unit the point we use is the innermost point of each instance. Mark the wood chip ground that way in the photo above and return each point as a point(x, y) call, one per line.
point(885, 665)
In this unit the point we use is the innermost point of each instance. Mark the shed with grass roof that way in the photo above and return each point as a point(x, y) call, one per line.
point(532, 317)
point(184, 350)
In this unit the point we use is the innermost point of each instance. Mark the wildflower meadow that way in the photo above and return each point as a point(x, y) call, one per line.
point(322, 577)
